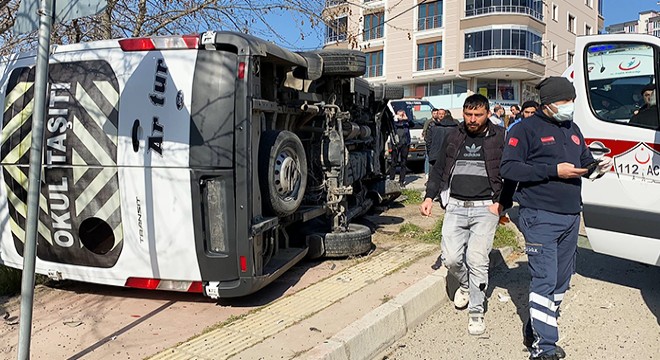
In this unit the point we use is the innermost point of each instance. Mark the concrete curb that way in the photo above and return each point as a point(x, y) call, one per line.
point(383, 326)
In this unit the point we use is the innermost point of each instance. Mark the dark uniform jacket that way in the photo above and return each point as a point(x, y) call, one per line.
point(534, 148)
point(436, 135)
point(493, 146)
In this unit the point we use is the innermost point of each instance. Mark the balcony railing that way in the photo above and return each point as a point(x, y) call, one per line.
point(429, 22)
point(374, 70)
point(329, 3)
point(428, 63)
point(504, 52)
point(505, 9)
point(335, 38)
point(371, 34)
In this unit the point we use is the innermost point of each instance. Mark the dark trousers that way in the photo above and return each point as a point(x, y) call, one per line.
point(551, 247)
point(399, 157)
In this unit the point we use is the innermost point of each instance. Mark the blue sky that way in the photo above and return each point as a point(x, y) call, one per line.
point(618, 11)
point(614, 11)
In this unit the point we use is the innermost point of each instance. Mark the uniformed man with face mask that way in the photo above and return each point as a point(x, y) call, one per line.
point(547, 156)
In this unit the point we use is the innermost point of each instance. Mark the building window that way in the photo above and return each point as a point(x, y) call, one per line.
point(374, 64)
point(533, 8)
point(429, 16)
point(498, 42)
point(571, 23)
point(589, 3)
point(587, 29)
point(429, 56)
point(555, 12)
point(554, 52)
point(569, 58)
point(373, 26)
point(447, 88)
point(498, 90)
point(336, 30)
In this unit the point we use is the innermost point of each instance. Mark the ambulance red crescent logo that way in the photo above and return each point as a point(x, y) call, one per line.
point(575, 139)
point(513, 142)
point(629, 65)
point(648, 156)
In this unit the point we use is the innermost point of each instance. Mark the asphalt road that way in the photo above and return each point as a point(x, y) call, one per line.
point(612, 311)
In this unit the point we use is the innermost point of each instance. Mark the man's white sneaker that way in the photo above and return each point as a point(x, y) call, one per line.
point(461, 298)
point(476, 323)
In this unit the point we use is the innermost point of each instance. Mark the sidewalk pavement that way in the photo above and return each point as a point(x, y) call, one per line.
point(372, 334)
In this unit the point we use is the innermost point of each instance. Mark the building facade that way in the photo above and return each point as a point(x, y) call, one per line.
point(648, 23)
point(445, 50)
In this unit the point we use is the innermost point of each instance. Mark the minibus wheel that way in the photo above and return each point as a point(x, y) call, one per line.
point(355, 241)
point(282, 171)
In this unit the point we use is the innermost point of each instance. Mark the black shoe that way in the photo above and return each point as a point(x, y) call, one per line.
point(545, 357)
point(528, 341)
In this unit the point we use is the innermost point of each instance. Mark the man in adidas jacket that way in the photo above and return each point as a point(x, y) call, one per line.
point(473, 195)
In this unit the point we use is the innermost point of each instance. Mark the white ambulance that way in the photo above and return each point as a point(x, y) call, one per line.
point(205, 163)
point(612, 73)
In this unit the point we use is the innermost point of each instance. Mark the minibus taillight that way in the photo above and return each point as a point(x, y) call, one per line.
point(158, 284)
point(241, 71)
point(160, 43)
point(243, 263)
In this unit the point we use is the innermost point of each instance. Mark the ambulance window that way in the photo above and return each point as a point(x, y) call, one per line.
point(621, 83)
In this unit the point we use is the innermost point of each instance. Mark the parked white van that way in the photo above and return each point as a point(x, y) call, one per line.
point(621, 210)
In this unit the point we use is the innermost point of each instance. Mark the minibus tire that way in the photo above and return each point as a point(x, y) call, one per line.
point(275, 146)
point(343, 62)
point(355, 241)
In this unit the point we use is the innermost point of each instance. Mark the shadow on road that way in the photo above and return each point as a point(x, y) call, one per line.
point(623, 272)
point(591, 265)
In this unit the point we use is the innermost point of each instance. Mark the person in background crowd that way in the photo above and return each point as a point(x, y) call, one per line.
point(473, 194)
point(547, 156)
point(427, 164)
point(437, 133)
point(498, 115)
point(400, 144)
point(515, 113)
point(528, 109)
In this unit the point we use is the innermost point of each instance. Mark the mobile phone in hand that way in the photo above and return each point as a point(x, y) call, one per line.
point(593, 165)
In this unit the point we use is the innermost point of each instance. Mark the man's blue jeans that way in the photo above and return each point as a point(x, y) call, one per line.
point(467, 238)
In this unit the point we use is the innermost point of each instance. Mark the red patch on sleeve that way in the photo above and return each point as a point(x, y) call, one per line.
point(547, 139)
point(575, 139)
point(513, 142)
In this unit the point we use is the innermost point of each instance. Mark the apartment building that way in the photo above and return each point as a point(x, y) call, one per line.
point(647, 23)
point(445, 50)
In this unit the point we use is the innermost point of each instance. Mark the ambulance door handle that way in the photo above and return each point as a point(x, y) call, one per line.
point(134, 135)
point(598, 148)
